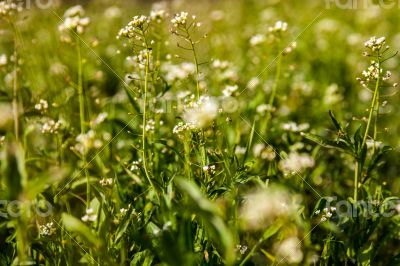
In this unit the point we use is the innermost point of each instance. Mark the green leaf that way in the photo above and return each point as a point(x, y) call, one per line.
point(74, 225)
point(340, 146)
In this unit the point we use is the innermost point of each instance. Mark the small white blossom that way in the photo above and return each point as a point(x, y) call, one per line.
point(296, 162)
point(9, 8)
point(90, 216)
point(47, 229)
point(257, 39)
point(375, 44)
point(42, 106)
point(74, 20)
point(279, 27)
point(290, 250)
point(180, 19)
point(3, 60)
point(106, 182)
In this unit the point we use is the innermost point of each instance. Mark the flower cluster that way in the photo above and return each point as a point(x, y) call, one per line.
point(279, 27)
point(74, 20)
point(180, 19)
point(51, 126)
point(106, 182)
point(210, 169)
point(201, 112)
point(89, 216)
point(136, 24)
point(326, 213)
point(158, 15)
point(87, 141)
point(375, 44)
point(296, 163)
point(47, 229)
point(9, 8)
point(42, 106)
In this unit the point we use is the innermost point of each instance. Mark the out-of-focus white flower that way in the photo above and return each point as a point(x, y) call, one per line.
point(3, 60)
point(230, 90)
point(106, 182)
point(257, 39)
point(289, 250)
point(87, 141)
point(9, 8)
point(293, 127)
point(279, 27)
point(296, 162)
point(74, 20)
point(177, 72)
point(51, 126)
point(202, 112)
point(42, 106)
point(90, 216)
point(112, 12)
point(262, 207)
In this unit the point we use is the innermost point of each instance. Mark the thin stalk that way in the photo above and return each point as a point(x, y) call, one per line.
point(376, 121)
point(144, 121)
point(81, 95)
point(274, 89)
point(355, 181)
point(15, 102)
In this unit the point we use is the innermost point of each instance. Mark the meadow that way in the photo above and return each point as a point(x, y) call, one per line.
point(229, 132)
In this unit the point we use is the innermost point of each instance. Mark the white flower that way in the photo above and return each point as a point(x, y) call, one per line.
point(375, 44)
point(112, 12)
point(3, 60)
point(51, 126)
point(9, 8)
point(230, 90)
point(296, 162)
point(279, 26)
point(202, 112)
point(74, 20)
point(130, 31)
point(290, 250)
point(87, 141)
point(293, 127)
point(43, 105)
point(262, 207)
point(47, 229)
point(106, 182)
point(180, 19)
point(90, 216)
point(257, 39)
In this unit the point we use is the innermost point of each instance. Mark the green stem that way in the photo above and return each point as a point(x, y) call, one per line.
point(81, 95)
point(355, 181)
point(273, 91)
point(144, 135)
point(376, 121)
point(15, 101)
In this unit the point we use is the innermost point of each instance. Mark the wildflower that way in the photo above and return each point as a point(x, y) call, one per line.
point(136, 165)
point(90, 216)
point(9, 8)
point(202, 112)
point(2, 139)
point(375, 44)
point(242, 249)
point(175, 73)
point(99, 119)
point(158, 15)
point(51, 126)
point(257, 39)
point(296, 162)
point(239, 150)
point(106, 182)
point(74, 20)
point(130, 31)
point(262, 207)
point(210, 169)
point(230, 90)
point(264, 152)
point(47, 229)
point(3, 60)
point(292, 46)
point(293, 127)
point(87, 141)
point(264, 108)
point(290, 250)
point(42, 106)
point(150, 125)
point(180, 19)
point(279, 27)
point(112, 12)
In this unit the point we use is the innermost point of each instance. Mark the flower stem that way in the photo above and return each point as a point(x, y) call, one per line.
point(81, 94)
